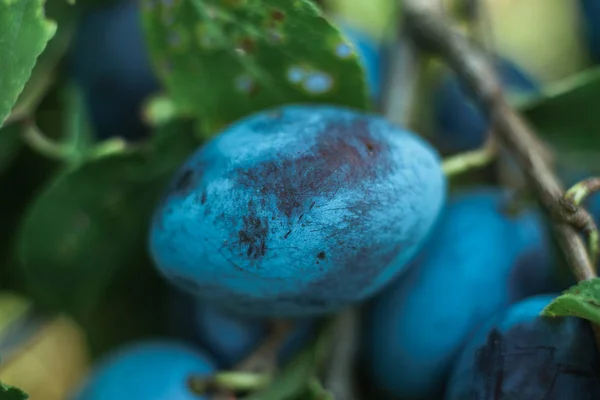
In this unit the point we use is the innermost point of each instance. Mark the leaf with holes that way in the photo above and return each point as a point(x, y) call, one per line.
point(581, 300)
point(24, 33)
point(90, 223)
point(221, 60)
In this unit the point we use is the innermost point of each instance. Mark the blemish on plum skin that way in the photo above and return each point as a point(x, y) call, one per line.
point(321, 255)
point(203, 199)
point(254, 236)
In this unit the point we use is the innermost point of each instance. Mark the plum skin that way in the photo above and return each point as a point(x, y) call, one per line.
point(149, 370)
point(109, 61)
point(297, 211)
point(476, 262)
point(459, 125)
point(520, 355)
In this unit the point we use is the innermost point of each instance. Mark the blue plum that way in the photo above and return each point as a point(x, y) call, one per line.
point(370, 54)
point(297, 211)
point(590, 11)
point(150, 370)
point(228, 338)
point(231, 338)
point(458, 123)
point(477, 261)
point(109, 61)
point(519, 355)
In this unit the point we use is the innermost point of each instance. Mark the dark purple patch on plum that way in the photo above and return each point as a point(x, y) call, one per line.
point(537, 360)
point(345, 155)
point(254, 233)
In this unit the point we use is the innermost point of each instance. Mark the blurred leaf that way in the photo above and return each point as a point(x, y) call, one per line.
point(90, 223)
point(221, 60)
point(581, 300)
point(371, 16)
point(10, 144)
point(44, 72)
point(296, 377)
point(12, 393)
point(567, 113)
point(24, 32)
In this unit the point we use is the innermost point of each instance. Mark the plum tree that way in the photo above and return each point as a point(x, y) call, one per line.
point(477, 261)
point(109, 61)
point(231, 338)
point(150, 370)
point(520, 355)
point(458, 124)
point(296, 211)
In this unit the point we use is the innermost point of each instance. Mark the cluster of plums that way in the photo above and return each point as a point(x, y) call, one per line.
point(301, 211)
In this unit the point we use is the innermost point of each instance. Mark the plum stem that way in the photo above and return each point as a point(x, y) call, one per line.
point(466, 161)
point(344, 354)
point(39, 142)
point(252, 373)
point(264, 358)
point(576, 195)
point(231, 381)
point(432, 31)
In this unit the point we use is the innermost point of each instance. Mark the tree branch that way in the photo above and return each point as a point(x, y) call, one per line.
point(426, 24)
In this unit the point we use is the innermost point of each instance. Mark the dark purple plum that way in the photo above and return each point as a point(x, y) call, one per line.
point(297, 211)
point(519, 355)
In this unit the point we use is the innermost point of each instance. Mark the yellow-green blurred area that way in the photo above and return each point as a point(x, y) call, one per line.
point(76, 280)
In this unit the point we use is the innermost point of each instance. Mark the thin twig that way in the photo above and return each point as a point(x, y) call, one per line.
point(433, 32)
point(339, 378)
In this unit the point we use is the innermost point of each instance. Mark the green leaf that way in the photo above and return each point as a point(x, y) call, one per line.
point(91, 222)
point(581, 300)
point(298, 375)
point(567, 112)
point(45, 71)
point(12, 393)
point(221, 60)
point(24, 32)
